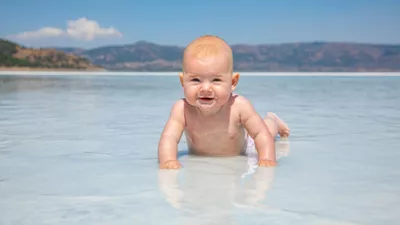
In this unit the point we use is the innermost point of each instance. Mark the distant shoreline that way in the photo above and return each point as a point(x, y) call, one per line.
point(60, 72)
point(48, 69)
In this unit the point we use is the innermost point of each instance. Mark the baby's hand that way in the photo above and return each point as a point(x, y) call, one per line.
point(171, 164)
point(266, 163)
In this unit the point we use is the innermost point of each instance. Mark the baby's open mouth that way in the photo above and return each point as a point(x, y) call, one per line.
point(206, 99)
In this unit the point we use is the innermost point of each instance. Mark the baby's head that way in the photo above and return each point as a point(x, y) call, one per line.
point(207, 77)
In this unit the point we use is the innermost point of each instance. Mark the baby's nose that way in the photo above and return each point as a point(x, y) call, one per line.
point(206, 88)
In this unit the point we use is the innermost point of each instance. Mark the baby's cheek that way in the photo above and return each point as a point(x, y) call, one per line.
point(190, 91)
point(224, 92)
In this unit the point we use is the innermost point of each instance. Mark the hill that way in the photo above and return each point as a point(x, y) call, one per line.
point(315, 57)
point(16, 56)
point(289, 57)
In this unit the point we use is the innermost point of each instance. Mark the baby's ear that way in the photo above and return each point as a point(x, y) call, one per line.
point(181, 78)
point(235, 80)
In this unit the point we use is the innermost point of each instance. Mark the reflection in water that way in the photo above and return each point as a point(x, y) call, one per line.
point(223, 191)
point(49, 124)
point(209, 190)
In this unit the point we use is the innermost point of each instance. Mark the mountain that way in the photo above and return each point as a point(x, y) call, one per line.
point(13, 55)
point(315, 56)
point(70, 50)
point(291, 57)
point(140, 56)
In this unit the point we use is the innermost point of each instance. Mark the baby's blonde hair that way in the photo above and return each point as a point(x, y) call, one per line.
point(206, 46)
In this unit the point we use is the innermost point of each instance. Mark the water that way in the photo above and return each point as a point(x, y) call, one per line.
point(80, 149)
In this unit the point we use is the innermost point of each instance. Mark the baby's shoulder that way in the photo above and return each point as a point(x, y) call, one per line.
point(179, 104)
point(178, 108)
point(240, 101)
point(241, 106)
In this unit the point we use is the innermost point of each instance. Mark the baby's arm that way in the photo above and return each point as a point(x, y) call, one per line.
point(170, 137)
point(258, 130)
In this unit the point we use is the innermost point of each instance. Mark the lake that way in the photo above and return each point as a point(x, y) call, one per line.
point(82, 149)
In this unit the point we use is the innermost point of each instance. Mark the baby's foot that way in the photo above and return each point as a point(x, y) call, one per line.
point(283, 128)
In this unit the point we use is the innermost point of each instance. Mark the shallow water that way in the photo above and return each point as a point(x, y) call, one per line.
point(83, 150)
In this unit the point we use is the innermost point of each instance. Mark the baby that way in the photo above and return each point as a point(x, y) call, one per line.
point(216, 121)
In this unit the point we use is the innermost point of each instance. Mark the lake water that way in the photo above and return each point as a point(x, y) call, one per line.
point(82, 149)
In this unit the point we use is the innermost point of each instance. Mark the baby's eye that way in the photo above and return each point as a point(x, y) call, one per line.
point(195, 80)
point(217, 80)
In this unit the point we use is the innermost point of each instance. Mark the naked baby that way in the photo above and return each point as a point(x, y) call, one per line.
point(216, 121)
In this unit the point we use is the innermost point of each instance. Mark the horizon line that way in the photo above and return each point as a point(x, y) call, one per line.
point(169, 73)
point(236, 44)
point(233, 44)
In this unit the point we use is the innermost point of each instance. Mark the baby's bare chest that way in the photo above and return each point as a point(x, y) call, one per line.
point(216, 133)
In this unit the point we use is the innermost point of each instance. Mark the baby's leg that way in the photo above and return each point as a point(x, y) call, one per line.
point(276, 125)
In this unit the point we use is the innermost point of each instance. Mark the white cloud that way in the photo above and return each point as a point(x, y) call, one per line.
point(43, 32)
point(80, 29)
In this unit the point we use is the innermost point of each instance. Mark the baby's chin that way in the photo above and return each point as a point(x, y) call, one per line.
point(207, 106)
point(209, 109)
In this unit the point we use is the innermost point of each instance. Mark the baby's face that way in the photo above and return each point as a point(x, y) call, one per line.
point(207, 82)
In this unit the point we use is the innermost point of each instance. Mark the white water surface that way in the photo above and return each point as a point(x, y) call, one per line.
point(83, 150)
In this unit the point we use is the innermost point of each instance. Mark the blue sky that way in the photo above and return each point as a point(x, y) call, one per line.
point(99, 22)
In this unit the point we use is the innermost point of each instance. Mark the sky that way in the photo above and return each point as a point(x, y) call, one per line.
point(94, 23)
